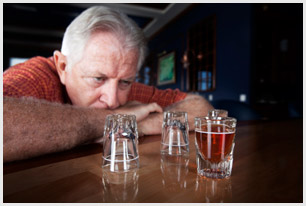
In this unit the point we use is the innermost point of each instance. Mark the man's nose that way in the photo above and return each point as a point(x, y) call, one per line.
point(110, 94)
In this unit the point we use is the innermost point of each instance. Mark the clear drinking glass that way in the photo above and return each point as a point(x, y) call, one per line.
point(175, 134)
point(217, 113)
point(215, 141)
point(120, 143)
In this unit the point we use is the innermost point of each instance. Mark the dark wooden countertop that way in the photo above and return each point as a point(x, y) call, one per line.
point(268, 167)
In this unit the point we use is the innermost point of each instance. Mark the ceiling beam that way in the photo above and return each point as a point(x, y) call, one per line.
point(172, 11)
point(32, 31)
point(160, 17)
point(128, 9)
point(50, 45)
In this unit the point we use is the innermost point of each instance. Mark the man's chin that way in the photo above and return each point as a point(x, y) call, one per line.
point(100, 105)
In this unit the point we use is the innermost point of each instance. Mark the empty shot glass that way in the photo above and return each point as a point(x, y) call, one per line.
point(175, 134)
point(217, 113)
point(120, 143)
point(215, 141)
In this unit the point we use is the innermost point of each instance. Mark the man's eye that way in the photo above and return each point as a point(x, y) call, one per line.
point(95, 81)
point(98, 79)
point(124, 83)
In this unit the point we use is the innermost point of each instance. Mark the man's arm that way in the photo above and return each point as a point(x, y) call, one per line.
point(33, 127)
point(194, 105)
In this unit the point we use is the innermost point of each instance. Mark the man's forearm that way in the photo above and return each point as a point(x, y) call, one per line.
point(194, 105)
point(151, 125)
point(35, 127)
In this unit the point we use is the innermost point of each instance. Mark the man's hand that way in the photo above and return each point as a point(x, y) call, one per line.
point(150, 116)
point(194, 105)
point(140, 110)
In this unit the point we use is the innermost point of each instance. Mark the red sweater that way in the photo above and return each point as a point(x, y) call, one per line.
point(38, 78)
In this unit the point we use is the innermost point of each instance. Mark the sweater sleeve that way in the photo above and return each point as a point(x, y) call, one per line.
point(148, 94)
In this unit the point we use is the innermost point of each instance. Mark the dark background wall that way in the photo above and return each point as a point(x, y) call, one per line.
point(258, 53)
point(233, 46)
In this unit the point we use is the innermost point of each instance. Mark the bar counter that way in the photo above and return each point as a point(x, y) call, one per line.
point(267, 167)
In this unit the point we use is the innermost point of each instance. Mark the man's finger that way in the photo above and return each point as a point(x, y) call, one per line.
point(156, 108)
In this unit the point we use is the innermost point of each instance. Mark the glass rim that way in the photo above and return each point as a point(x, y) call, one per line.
point(121, 116)
point(175, 113)
point(219, 119)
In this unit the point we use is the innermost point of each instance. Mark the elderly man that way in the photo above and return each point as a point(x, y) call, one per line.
point(53, 104)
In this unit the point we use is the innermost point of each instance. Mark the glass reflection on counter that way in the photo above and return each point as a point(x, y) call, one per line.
point(174, 171)
point(120, 186)
point(214, 190)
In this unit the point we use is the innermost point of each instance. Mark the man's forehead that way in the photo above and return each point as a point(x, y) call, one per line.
point(102, 70)
point(105, 39)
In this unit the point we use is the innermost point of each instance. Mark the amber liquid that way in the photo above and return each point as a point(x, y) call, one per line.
point(214, 142)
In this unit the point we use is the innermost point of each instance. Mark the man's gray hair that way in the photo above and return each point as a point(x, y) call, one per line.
point(100, 18)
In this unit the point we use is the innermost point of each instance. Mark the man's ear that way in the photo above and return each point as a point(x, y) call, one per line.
point(61, 65)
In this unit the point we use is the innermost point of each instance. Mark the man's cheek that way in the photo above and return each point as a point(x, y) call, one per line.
point(123, 97)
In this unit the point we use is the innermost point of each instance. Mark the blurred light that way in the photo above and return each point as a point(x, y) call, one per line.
point(210, 97)
point(242, 97)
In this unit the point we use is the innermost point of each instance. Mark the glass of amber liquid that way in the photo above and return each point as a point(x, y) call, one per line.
point(215, 141)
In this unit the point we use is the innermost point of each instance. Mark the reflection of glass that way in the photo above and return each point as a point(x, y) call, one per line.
point(214, 190)
point(174, 171)
point(120, 186)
